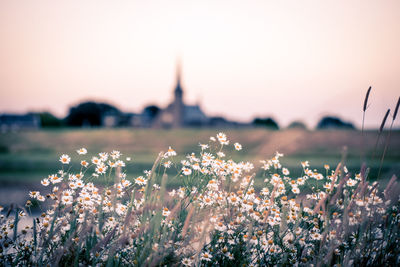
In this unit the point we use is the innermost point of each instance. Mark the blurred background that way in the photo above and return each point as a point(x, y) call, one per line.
point(139, 76)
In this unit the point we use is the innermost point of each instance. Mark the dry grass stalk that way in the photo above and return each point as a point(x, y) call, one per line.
point(388, 188)
point(384, 120)
point(321, 203)
point(366, 99)
point(387, 141)
point(187, 220)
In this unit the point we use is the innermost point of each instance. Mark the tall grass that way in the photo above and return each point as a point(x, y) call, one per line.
point(365, 106)
point(387, 141)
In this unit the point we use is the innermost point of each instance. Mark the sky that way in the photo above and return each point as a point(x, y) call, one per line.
point(292, 60)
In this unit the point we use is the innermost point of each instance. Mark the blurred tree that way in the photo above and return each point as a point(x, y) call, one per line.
point(330, 122)
point(297, 125)
point(49, 120)
point(151, 111)
point(266, 122)
point(90, 113)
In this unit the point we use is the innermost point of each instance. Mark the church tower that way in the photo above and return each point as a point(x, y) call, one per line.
point(178, 105)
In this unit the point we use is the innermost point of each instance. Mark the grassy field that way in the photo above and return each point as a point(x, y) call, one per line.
point(222, 223)
point(27, 157)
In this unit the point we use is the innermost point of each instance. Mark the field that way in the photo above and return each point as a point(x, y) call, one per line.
point(213, 209)
point(28, 157)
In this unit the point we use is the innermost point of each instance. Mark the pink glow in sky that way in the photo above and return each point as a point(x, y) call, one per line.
point(287, 59)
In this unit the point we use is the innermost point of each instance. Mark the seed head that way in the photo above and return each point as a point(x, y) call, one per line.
point(384, 120)
point(366, 99)
point(396, 109)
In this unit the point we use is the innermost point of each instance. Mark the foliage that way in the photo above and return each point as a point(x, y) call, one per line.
point(333, 123)
point(297, 125)
point(215, 218)
point(49, 120)
point(152, 111)
point(90, 114)
point(266, 122)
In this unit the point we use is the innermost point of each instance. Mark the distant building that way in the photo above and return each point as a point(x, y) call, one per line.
point(177, 114)
point(14, 122)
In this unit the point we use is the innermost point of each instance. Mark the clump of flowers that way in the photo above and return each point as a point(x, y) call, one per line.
point(215, 217)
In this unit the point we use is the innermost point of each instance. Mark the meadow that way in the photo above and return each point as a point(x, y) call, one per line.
point(250, 197)
point(27, 157)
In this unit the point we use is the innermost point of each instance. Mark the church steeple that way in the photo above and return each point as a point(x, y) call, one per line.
point(178, 88)
point(178, 106)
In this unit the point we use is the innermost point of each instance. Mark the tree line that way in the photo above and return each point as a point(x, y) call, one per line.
point(91, 114)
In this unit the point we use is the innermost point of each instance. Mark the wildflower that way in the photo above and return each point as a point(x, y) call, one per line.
point(305, 164)
point(326, 166)
point(84, 163)
point(170, 153)
point(82, 151)
point(265, 191)
point(229, 255)
point(300, 181)
point(172, 193)
point(186, 171)
point(205, 256)
point(55, 179)
point(79, 183)
point(121, 209)
point(167, 164)
point(285, 171)
point(115, 154)
point(253, 240)
point(345, 169)
point(196, 167)
point(103, 156)
point(45, 182)
point(41, 198)
point(318, 176)
point(220, 227)
point(66, 200)
point(222, 139)
point(34, 194)
point(125, 183)
point(351, 182)
point(316, 236)
point(187, 262)
point(72, 185)
point(95, 160)
point(65, 159)
point(101, 169)
point(203, 146)
point(295, 190)
point(327, 186)
point(185, 162)
point(120, 163)
point(140, 181)
point(156, 187)
point(79, 175)
point(128, 158)
point(221, 154)
point(181, 192)
point(166, 212)
point(233, 200)
point(238, 146)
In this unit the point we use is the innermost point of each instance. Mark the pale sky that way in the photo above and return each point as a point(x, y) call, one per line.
point(293, 60)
